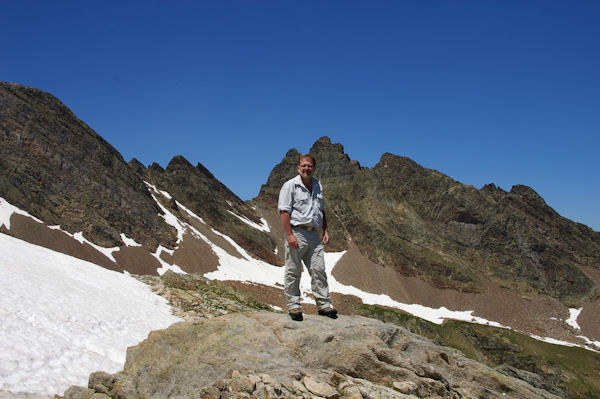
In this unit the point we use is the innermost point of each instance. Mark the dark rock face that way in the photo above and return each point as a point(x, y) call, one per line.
point(138, 168)
point(207, 197)
point(59, 170)
point(423, 223)
point(281, 173)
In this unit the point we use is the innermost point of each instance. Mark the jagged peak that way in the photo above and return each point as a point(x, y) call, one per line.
point(135, 163)
point(137, 167)
point(494, 191)
point(527, 192)
point(325, 144)
point(155, 167)
point(491, 187)
point(179, 161)
point(292, 153)
point(389, 159)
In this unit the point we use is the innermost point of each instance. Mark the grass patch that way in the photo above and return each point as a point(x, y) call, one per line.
point(213, 292)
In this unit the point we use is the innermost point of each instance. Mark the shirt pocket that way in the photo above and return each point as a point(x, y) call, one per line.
point(320, 201)
point(302, 198)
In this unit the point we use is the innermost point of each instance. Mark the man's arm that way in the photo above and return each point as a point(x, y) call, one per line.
point(325, 231)
point(287, 226)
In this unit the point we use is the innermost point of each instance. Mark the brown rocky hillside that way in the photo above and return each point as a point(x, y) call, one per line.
point(207, 197)
point(58, 169)
point(422, 223)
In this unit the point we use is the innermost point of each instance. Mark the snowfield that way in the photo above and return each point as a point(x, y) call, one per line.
point(62, 318)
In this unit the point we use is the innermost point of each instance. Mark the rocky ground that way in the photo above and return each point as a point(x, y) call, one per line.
point(232, 346)
point(265, 354)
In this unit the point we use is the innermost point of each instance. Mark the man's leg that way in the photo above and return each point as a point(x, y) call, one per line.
point(293, 272)
point(314, 259)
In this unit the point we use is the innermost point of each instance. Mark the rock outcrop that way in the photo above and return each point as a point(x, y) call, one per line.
point(266, 355)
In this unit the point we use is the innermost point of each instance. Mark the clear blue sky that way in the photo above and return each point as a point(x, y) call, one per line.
point(484, 91)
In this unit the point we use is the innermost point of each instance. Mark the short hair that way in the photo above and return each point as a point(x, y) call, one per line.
point(301, 157)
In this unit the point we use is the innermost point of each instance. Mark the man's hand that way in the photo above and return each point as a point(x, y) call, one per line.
point(292, 241)
point(325, 237)
point(291, 238)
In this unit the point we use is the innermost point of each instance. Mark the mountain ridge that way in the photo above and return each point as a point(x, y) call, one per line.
point(48, 154)
point(399, 214)
point(448, 228)
point(401, 230)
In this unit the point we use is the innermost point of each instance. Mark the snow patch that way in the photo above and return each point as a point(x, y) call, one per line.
point(553, 341)
point(430, 314)
point(572, 320)
point(157, 191)
point(108, 252)
point(62, 318)
point(169, 218)
point(590, 344)
point(189, 212)
point(164, 265)
point(7, 210)
point(129, 242)
point(264, 226)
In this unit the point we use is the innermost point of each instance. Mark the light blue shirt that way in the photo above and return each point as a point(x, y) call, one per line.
point(302, 206)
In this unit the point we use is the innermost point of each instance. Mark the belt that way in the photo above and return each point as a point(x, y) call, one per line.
point(306, 227)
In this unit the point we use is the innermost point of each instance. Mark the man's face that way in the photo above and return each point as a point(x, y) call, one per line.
point(306, 168)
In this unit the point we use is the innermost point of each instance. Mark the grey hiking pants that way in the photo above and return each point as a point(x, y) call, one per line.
point(310, 251)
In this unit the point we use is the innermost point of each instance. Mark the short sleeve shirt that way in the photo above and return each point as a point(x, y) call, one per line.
point(304, 207)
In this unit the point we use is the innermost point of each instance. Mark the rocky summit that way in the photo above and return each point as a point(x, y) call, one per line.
point(267, 355)
point(233, 346)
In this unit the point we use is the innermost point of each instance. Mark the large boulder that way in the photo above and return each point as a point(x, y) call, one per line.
point(268, 355)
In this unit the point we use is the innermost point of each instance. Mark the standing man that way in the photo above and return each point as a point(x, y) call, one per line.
point(301, 208)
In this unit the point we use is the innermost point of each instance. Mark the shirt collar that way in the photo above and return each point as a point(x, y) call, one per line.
point(298, 182)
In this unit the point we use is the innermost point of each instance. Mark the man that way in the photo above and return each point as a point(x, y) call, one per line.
point(301, 208)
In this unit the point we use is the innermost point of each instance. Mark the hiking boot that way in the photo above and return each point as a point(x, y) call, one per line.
point(296, 316)
point(330, 312)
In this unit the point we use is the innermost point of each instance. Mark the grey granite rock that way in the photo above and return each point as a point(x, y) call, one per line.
point(267, 355)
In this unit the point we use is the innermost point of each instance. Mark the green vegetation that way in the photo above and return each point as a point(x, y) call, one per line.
point(566, 371)
point(215, 294)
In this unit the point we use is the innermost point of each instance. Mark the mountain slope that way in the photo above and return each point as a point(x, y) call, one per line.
point(207, 197)
point(59, 170)
point(422, 223)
